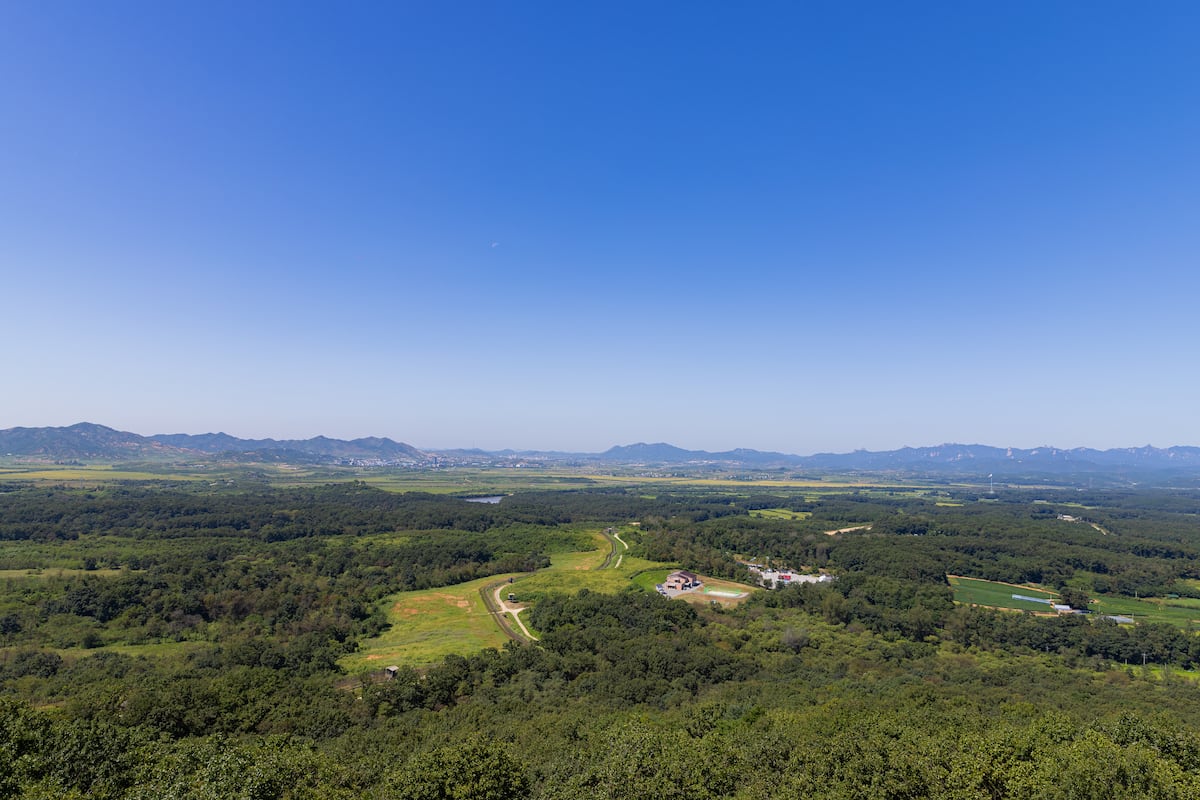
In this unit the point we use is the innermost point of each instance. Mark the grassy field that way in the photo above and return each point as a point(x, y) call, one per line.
point(652, 577)
point(429, 625)
point(455, 480)
point(91, 476)
point(779, 513)
point(567, 577)
point(1181, 612)
point(57, 572)
point(715, 590)
point(975, 591)
point(154, 650)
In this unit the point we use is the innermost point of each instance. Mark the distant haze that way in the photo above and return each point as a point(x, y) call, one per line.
point(1176, 466)
point(559, 226)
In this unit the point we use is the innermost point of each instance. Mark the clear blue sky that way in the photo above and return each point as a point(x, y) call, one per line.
point(794, 226)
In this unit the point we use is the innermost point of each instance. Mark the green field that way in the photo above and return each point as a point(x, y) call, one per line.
point(975, 591)
point(429, 625)
point(652, 577)
point(715, 590)
point(454, 480)
point(1181, 612)
point(92, 475)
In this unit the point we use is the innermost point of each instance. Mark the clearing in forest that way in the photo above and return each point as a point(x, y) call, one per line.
point(431, 624)
point(978, 592)
point(779, 513)
point(1182, 612)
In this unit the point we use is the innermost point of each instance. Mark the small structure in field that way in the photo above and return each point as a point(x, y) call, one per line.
point(391, 672)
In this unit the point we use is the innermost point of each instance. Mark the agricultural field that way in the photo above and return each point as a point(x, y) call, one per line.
point(461, 481)
point(92, 475)
point(1183, 612)
point(974, 591)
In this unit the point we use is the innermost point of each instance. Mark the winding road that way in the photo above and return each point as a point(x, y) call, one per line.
point(505, 607)
point(508, 615)
point(617, 536)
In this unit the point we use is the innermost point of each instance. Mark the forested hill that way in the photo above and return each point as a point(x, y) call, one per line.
point(84, 440)
point(87, 440)
point(367, 447)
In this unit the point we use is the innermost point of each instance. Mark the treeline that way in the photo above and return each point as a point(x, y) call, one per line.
point(281, 590)
point(274, 515)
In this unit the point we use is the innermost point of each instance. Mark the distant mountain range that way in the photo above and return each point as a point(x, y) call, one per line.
point(97, 442)
point(89, 441)
point(972, 459)
point(369, 447)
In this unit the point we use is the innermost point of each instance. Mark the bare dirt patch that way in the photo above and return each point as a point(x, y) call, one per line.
point(847, 530)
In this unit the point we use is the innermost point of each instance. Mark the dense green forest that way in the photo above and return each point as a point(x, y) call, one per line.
point(168, 642)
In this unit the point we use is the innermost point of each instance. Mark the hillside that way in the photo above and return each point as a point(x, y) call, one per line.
point(1132, 464)
point(83, 440)
point(369, 447)
point(87, 440)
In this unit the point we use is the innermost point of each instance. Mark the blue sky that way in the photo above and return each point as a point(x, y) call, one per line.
point(798, 226)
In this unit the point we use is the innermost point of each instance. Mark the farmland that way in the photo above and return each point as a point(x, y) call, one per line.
point(1182, 612)
point(973, 591)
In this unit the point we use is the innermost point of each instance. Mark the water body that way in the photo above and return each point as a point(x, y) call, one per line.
point(492, 500)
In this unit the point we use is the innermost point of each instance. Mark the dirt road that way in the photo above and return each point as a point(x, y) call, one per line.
point(512, 608)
